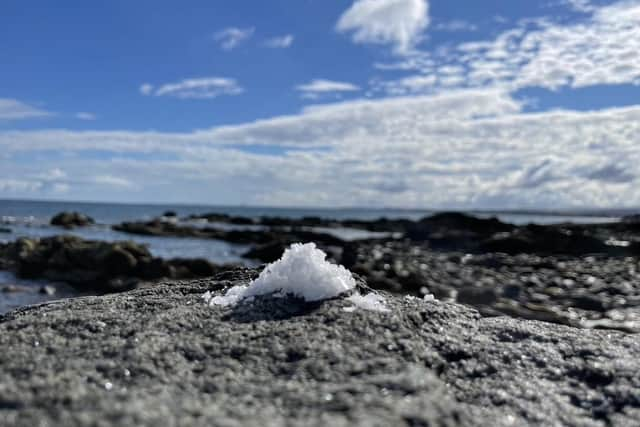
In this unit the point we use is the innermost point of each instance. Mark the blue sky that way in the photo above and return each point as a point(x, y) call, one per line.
point(407, 103)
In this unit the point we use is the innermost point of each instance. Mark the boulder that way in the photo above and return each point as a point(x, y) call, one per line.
point(161, 356)
point(71, 219)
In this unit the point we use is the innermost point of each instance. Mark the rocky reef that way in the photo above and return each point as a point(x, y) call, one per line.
point(71, 220)
point(96, 266)
point(161, 356)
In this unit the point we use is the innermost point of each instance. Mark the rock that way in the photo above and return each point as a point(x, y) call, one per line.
point(477, 296)
point(96, 266)
point(48, 290)
point(5, 230)
point(161, 356)
point(449, 224)
point(535, 239)
point(268, 252)
point(13, 289)
point(170, 214)
point(71, 219)
point(631, 219)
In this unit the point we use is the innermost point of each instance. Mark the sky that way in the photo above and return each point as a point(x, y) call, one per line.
point(465, 104)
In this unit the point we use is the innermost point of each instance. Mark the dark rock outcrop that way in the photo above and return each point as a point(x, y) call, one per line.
point(5, 230)
point(71, 219)
point(161, 356)
point(536, 239)
point(95, 266)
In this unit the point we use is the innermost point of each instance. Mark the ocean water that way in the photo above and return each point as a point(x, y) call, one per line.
point(31, 219)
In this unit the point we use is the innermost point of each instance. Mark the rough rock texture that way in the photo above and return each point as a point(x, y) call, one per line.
point(586, 291)
point(160, 356)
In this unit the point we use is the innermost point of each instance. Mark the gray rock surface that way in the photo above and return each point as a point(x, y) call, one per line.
point(161, 357)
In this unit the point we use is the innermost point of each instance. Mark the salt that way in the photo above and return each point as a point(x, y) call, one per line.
point(303, 272)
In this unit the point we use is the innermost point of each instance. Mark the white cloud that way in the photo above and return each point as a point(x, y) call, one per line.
point(457, 25)
point(602, 49)
point(466, 148)
point(399, 23)
point(195, 88)
point(146, 89)
point(232, 37)
point(280, 42)
point(113, 181)
point(12, 109)
point(83, 115)
point(318, 87)
point(580, 5)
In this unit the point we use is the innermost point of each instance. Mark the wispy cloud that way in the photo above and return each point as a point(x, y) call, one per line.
point(146, 89)
point(280, 42)
point(398, 23)
point(83, 115)
point(12, 109)
point(456, 25)
point(318, 87)
point(232, 37)
point(195, 88)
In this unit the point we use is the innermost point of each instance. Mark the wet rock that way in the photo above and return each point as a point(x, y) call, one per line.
point(48, 290)
point(71, 219)
point(477, 296)
point(5, 230)
point(266, 253)
point(535, 239)
point(13, 289)
point(588, 302)
point(170, 214)
point(95, 265)
point(455, 225)
point(160, 356)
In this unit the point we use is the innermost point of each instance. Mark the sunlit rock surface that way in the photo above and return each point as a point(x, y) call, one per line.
point(162, 356)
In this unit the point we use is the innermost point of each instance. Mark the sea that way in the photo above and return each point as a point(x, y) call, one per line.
point(31, 219)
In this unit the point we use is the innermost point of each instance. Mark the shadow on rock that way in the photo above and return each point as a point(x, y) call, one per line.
point(269, 307)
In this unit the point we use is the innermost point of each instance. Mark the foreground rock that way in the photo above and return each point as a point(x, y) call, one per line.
point(71, 219)
point(160, 356)
point(95, 266)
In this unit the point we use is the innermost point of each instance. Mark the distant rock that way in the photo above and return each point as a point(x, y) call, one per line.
point(71, 219)
point(170, 214)
point(449, 228)
point(96, 266)
point(536, 239)
point(631, 219)
point(161, 356)
point(5, 230)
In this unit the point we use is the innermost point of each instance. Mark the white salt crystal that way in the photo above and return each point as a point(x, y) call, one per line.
point(303, 271)
point(373, 302)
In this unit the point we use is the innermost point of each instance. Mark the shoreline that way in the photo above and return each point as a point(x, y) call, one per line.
point(583, 275)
